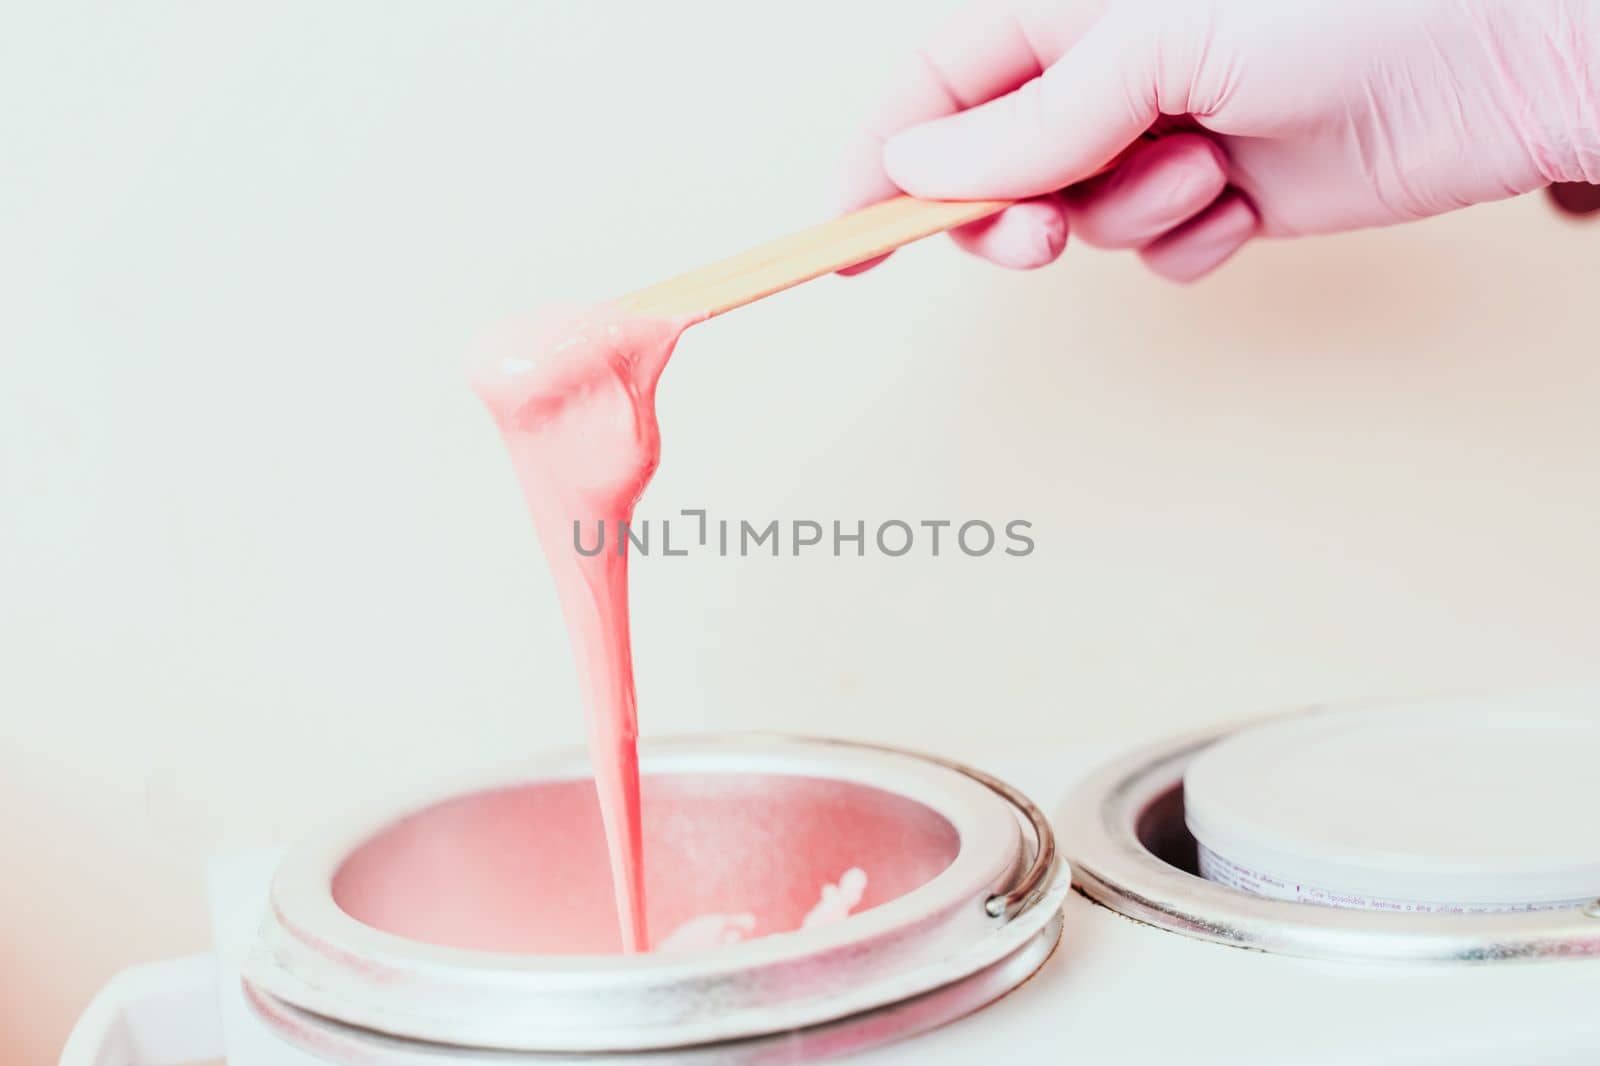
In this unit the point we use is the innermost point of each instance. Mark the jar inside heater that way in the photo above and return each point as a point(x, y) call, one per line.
point(1451, 808)
point(1133, 829)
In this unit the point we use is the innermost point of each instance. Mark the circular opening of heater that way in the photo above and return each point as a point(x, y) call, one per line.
point(1452, 838)
point(728, 857)
point(791, 882)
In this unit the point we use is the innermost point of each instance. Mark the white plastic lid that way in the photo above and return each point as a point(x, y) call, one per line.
point(1484, 801)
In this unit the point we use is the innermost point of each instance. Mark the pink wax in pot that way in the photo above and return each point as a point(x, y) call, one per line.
point(732, 856)
point(574, 396)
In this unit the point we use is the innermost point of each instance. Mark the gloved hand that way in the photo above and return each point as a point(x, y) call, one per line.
point(1275, 117)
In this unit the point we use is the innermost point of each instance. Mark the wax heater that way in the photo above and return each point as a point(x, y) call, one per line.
point(428, 931)
point(475, 917)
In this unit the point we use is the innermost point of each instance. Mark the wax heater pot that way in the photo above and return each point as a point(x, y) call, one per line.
point(474, 921)
point(1157, 962)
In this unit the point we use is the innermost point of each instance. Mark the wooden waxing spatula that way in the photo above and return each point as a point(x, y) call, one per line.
point(845, 241)
point(810, 253)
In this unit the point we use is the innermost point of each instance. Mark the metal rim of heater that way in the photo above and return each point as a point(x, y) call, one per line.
point(1106, 824)
point(339, 1042)
point(1020, 913)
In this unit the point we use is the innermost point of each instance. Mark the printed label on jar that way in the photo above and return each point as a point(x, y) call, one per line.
point(1223, 871)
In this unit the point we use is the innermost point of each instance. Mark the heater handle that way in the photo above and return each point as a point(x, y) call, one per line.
point(1032, 882)
point(156, 1014)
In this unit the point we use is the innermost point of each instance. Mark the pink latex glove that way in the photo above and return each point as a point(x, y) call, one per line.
point(1277, 117)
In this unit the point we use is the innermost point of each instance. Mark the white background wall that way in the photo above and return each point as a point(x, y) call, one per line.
point(260, 553)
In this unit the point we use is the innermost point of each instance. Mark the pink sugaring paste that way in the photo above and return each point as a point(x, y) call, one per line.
point(573, 393)
point(730, 856)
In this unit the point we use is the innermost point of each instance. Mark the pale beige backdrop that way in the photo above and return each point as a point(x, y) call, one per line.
point(260, 553)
